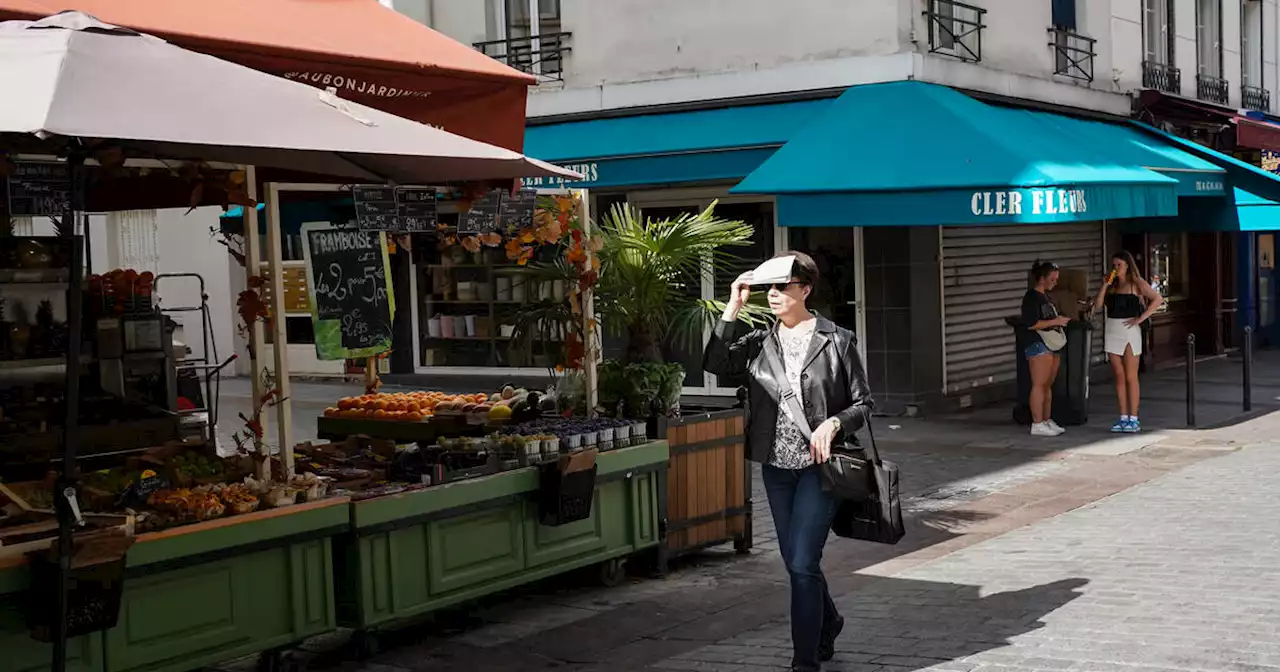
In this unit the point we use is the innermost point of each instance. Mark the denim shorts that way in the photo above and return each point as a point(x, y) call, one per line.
point(1036, 349)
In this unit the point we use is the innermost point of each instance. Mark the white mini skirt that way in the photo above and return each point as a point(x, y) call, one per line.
point(1117, 336)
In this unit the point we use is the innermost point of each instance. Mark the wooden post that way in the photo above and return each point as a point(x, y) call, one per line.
point(590, 330)
point(279, 342)
point(371, 375)
point(257, 337)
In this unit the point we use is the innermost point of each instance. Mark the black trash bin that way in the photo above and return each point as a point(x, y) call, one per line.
point(1070, 388)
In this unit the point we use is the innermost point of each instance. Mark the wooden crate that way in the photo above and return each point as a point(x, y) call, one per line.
point(708, 483)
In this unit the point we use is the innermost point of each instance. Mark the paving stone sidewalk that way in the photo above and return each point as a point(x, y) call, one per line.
point(1179, 574)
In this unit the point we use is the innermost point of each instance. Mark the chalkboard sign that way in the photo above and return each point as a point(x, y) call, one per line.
point(39, 189)
point(416, 207)
point(517, 210)
point(348, 273)
point(397, 209)
point(483, 215)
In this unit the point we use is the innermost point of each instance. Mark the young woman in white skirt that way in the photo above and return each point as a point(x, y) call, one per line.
point(1129, 301)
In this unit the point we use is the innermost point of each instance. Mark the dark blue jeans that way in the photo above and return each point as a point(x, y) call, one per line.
point(802, 515)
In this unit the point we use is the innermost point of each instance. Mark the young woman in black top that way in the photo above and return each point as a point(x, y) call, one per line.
point(1040, 338)
point(1129, 301)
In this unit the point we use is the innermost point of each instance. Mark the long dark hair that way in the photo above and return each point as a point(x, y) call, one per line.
point(1039, 271)
point(1133, 276)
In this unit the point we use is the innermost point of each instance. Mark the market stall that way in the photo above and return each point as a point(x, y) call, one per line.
point(214, 558)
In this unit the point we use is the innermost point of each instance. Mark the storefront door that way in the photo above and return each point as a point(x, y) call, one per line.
point(1268, 327)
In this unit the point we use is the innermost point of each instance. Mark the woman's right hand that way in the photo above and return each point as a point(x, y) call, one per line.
point(1061, 321)
point(741, 290)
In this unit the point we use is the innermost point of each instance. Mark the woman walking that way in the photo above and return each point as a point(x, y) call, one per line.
point(1123, 294)
point(807, 356)
point(1040, 339)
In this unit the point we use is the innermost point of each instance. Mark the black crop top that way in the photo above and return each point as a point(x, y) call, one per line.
point(1123, 306)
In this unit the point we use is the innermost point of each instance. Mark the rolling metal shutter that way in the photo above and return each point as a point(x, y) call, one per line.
point(984, 275)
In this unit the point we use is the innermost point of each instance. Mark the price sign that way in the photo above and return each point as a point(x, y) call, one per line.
point(517, 210)
point(483, 215)
point(349, 276)
point(39, 189)
point(396, 209)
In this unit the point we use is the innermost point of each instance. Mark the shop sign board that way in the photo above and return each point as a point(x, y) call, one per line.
point(39, 189)
point(349, 278)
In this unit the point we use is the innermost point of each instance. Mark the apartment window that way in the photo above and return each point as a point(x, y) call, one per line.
point(1064, 14)
point(1209, 37)
point(1157, 27)
point(955, 29)
point(532, 37)
point(1253, 93)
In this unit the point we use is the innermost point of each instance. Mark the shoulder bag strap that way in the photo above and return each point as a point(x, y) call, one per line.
point(788, 395)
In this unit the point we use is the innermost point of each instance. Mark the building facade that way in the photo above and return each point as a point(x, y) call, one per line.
point(669, 105)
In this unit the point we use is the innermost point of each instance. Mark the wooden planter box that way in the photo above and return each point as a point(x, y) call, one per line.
point(708, 483)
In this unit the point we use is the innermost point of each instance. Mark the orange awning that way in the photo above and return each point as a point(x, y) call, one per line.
point(369, 53)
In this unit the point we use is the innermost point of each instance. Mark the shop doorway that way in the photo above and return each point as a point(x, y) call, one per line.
point(841, 295)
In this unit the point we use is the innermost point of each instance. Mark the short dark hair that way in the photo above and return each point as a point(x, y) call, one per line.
point(805, 269)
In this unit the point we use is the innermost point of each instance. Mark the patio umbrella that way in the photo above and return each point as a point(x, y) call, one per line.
point(72, 76)
point(372, 54)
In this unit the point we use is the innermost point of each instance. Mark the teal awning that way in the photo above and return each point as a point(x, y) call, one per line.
point(294, 213)
point(1243, 176)
point(910, 153)
point(671, 148)
point(1256, 213)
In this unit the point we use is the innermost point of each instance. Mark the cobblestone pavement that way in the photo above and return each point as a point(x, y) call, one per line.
point(1179, 573)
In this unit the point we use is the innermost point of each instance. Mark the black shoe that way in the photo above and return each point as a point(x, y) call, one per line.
point(827, 649)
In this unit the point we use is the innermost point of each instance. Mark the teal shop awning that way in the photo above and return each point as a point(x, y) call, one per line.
point(1257, 213)
point(1256, 181)
point(910, 153)
point(671, 148)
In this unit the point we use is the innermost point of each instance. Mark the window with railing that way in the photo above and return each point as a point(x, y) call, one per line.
point(1212, 89)
point(1072, 54)
point(534, 45)
point(1161, 77)
point(955, 29)
point(1253, 94)
point(1209, 39)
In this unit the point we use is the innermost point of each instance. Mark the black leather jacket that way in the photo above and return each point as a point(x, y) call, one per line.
point(833, 384)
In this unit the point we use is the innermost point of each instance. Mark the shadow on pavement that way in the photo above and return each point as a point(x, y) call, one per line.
point(915, 625)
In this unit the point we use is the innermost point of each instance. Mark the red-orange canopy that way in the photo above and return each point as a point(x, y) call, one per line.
point(369, 53)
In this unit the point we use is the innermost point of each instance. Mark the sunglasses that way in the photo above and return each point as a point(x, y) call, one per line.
point(784, 286)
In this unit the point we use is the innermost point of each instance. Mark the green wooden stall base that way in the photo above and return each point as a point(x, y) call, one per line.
point(421, 551)
point(203, 594)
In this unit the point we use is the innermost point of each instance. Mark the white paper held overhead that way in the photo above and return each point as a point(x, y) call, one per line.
point(774, 270)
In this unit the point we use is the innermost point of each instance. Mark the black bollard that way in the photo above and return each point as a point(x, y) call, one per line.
point(1191, 380)
point(1248, 369)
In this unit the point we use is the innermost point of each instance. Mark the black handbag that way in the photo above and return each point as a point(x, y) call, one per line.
point(867, 486)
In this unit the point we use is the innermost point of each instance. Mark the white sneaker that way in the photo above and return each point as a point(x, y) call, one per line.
point(1054, 426)
point(1042, 429)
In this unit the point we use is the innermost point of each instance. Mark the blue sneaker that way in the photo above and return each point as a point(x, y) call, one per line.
point(1132, 427)
point(1121, 425)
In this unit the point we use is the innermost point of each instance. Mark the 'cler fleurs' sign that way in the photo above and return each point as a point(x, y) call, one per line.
point(1016, 202)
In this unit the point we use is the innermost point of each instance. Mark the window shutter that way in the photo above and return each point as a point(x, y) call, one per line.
point(1064, 14)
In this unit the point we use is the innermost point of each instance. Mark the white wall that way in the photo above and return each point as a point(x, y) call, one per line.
point(185, 246)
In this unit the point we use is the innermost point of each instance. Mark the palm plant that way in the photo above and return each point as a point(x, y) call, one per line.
point(651, 274)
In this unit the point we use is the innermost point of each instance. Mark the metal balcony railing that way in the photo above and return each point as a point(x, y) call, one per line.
point(955, 29)
point(542, 55)
point(1212, 89)
point(1072, 54)
point(1161, 77)
point(1255, 98)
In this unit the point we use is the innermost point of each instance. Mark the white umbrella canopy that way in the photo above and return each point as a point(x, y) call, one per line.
point(72, 76)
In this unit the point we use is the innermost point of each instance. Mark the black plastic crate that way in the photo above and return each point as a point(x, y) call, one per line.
point(564, 498)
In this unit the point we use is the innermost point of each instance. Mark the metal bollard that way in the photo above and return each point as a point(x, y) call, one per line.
point(1191, 380)
point(1248, 369)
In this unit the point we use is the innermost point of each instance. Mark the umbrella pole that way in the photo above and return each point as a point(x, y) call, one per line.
point(590, 352)
point(64, 493)
point(256, 336)
point(279, 342)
